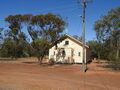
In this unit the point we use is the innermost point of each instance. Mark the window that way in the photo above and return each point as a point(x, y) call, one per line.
point(54, 53)
point(79, 53)
point(63, 53)
point(66, 42)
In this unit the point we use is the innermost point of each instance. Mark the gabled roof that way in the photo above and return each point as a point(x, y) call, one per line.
point(71, 38)
point(75, 40)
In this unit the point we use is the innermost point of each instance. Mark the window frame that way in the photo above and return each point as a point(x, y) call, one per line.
point(66, 42)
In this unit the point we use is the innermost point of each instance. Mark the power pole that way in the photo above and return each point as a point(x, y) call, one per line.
point(84, 5)
point(84, 64)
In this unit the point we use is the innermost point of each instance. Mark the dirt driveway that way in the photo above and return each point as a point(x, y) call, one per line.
point(31, 76)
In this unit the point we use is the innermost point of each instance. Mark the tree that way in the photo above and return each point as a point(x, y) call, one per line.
point(1, 38)
point(108, 33)
point(94, 48)
point(16, 34)
point(107, 24)
point(45, 30)
point(7, 49)
point(1, 34)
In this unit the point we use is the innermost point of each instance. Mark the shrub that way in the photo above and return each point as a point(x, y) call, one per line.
point(51, 61)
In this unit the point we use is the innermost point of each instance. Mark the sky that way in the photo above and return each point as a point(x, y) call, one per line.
point(69, 10)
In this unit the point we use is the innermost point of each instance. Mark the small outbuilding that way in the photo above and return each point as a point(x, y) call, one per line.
point(69, 50)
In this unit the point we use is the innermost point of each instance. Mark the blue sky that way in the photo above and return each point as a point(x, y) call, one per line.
point(68, 9)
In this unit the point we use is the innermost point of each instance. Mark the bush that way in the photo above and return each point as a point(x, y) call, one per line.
point(51, 61)
point(115, 64)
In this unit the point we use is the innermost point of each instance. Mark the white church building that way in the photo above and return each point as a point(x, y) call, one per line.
point(69, 50)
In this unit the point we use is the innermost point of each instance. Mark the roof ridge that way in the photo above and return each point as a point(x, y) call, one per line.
point(76, 40)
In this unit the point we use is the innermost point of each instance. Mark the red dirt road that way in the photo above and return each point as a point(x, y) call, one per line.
point(28, 76)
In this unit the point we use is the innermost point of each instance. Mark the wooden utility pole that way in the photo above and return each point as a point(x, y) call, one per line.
point(84, 5)
point(84, 64)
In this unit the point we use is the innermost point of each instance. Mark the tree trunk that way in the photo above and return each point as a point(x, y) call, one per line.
point(99, 57)
point(40, 59)
point(117, 54)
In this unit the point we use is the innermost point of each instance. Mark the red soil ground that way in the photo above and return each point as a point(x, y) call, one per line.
point(25, 75)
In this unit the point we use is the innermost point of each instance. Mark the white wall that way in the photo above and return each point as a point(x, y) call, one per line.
point(76, 47)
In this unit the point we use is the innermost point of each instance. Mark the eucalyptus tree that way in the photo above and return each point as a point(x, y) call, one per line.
point(15, 26)
point(1, 33)
point(1, 36)
point(107, 30)
point(45, 31)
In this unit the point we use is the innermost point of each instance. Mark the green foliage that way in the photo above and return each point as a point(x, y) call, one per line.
point(45, 30)
point(108, 35)
point(7, 49)
point(14, 41)
point(1, 34)
point(49, 26)
point(41, 47)
point(94, 48)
